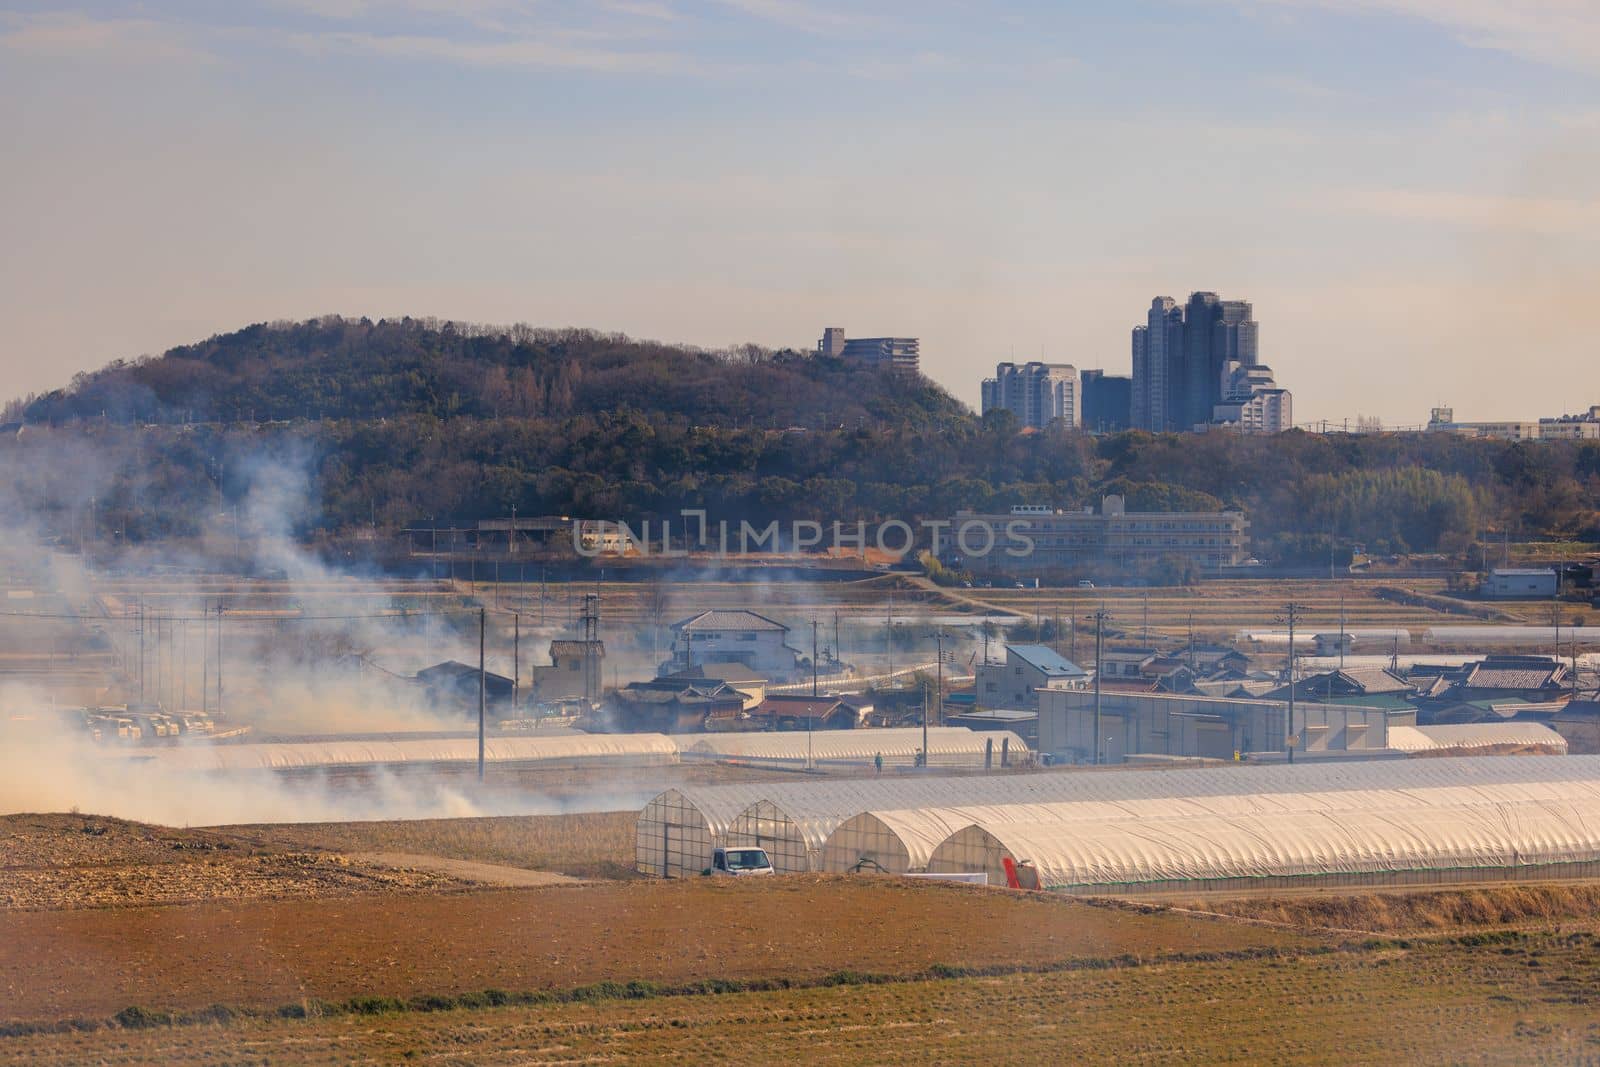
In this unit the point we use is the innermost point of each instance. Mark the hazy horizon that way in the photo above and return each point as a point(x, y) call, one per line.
point(1407, 190)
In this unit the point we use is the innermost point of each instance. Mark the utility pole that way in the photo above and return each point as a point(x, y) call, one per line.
point(1099, 667)
point(516, 662)
point(1293, 612)
point(219, 657)
point(205, 663)
point(924, 720)
point(813, 662)
point(483, 622)
point(1341, 631)
point(940, 669)
point(811, 713)
point(888, 634)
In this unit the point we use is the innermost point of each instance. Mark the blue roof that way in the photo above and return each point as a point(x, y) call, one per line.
point(1048, 660)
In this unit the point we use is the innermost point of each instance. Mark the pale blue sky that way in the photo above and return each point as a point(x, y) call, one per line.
point(1409, 190)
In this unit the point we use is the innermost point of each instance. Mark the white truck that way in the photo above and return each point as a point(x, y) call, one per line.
point(739, 862)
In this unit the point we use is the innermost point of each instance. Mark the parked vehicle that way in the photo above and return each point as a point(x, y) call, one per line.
point(739, 862)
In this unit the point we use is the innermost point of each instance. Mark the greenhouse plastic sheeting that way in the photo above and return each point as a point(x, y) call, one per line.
point(1201, 848)
point(803, 814)
point(905, 840)
point(650, 748)
point(950, 746)
point(677, 831)
point(1475, 735)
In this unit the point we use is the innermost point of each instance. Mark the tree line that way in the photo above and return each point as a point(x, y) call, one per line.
point(402, 421)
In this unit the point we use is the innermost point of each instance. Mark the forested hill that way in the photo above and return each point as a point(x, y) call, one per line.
point(357, 369)
point(391, 421)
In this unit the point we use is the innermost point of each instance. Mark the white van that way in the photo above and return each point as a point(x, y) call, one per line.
point(739, 862)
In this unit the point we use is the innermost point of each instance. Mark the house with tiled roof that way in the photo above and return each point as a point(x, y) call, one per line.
point(717, 637)
point(1026, 669)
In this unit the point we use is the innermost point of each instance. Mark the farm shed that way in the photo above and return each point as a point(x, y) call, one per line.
point(636, 749)
point(948, 746)
point(1340, 847)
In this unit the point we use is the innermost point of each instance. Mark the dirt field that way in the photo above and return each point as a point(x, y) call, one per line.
point(73, 861)
point(263, 954)
point(1526, 1001)
point(588, 846)
point(382, 942)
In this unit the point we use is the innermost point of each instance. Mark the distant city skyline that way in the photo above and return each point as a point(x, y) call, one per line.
point(1006, 184)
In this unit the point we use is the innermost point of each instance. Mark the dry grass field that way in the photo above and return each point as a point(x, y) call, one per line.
point(586, 846)
point(264, 954)
point(272, 944)
point(1514, 1001)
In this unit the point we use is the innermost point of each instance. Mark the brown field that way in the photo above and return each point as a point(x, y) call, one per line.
point(1417, 910)
point(263, 954)
point(379, 942)
point(73, 861)
point(1531, 1000)
point(586, 846)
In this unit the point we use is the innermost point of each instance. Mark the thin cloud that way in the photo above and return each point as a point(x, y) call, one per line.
point(802, 15)
point(512, 52)
point(1557, 32)
point(1542, 216)
point(74, 35)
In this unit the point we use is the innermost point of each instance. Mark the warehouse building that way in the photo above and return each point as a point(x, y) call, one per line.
point(1164, 724)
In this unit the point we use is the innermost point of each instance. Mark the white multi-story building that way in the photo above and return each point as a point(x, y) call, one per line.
point(1038, 539)
point(723, 637)
point(1252, 402)
point(1584, 427)
point(893, 353)
point(1036, 393)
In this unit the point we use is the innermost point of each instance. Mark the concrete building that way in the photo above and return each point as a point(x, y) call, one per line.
point(1585, 427)
point(721, 637)
point(1105, 401)
point(1520, 583)
point(895, 353)
point(1181, 357)
point(574, 671)
point(1036, 393)
point(1163, 724)
point(1252, 401)
point(1034, 540)
point(1157, 366)
point(1027, 668)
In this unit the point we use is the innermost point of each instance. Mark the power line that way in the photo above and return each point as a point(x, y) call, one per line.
point(248, 616)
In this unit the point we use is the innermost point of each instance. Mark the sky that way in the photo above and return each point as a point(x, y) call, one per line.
point(1407, 190)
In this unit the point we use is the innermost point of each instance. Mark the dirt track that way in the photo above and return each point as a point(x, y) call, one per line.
point(92, 963)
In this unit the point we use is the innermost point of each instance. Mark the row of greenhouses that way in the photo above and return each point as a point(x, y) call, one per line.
point(1441, 819)
point(950, 747)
